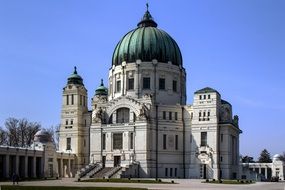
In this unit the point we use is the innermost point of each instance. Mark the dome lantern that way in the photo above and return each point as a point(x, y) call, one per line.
point(147, 20)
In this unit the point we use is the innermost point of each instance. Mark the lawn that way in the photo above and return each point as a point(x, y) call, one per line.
point(229, 181)
point(64, 188)
point(122, 180)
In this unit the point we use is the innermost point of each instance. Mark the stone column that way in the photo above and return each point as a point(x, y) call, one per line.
point(259, 170)
point(26, 166)
point(68, 168)
point(17, 164)
point(265, 173)
point(61, 167)
point(7, 165)
point(34, 167)
point(115, 116)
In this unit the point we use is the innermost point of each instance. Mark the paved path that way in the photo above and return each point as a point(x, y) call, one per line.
point(183, 184)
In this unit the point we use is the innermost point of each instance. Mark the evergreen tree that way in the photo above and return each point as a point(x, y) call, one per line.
point(264, 157)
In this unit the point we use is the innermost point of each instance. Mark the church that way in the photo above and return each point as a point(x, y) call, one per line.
point(140, 125)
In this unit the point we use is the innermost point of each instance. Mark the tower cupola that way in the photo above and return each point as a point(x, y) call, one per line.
point(101, 90)
point(74, 78)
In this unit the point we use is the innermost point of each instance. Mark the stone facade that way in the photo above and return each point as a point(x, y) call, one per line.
point(142, 118)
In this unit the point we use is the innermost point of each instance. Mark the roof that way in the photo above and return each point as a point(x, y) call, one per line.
point(101, 90)
point(147, 43)
point(206, 90)
point(74, 78)
point(225, 102)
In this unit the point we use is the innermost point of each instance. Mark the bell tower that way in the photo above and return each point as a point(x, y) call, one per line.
point(75, 120)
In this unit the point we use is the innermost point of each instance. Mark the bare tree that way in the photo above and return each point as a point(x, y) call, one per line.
point(3, 137)
point(11, 128)
point(53, 132)
point(19, 132)
point(22, 131)
point(32, 129)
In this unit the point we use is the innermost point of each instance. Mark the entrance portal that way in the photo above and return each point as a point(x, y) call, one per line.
point(117, 161)
point(205, 171)
point(103, 161)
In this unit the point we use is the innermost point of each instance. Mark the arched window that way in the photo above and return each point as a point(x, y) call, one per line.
point(123, 115)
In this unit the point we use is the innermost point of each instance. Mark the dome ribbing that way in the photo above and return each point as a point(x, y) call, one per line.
point(146, 43)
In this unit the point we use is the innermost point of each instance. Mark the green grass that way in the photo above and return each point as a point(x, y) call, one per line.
point(242, 182)
point(65, 188)
point(114, 180)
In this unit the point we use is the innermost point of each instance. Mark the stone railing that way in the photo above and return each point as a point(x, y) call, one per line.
point(84, 171)
point(113, 172)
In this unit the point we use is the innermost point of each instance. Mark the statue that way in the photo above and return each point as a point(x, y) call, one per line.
point(235, 121)
point(98, 116)
point(143, 112)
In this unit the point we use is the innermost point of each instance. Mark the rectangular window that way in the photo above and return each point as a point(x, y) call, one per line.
point(221, 159)
point(164, 142)
point(84, 101)
point(200, 114)
point(170, 115)
point(170, 172)
point(68, 143)
point(174, 86)
point(80, 100)
point(66, 122)
point(204, 114)
point(176, 116)
point(104, 141)
point(175, 172)
point(161, 84)
point(118, 86)
point(205, 96)
point(72, 99)
point(203, 138)
point(71, 122)
point(131, 84)
point(166, 172)
point(118, 141)
point(222, 137)
point(176, 142)
point(200, 97)
point(164, 114)
point(131, 140)
point(209, 96)
point(67, 99)
point(208, 114)
point(146, 83)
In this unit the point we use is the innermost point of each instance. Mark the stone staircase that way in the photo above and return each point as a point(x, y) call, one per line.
point(88, 170)
point(97, 171)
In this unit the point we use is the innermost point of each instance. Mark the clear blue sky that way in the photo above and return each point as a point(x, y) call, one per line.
point(236, 47)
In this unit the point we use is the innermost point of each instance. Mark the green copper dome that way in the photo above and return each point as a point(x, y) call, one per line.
point(101, 90)
point(74, 78)
point(146, 43)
